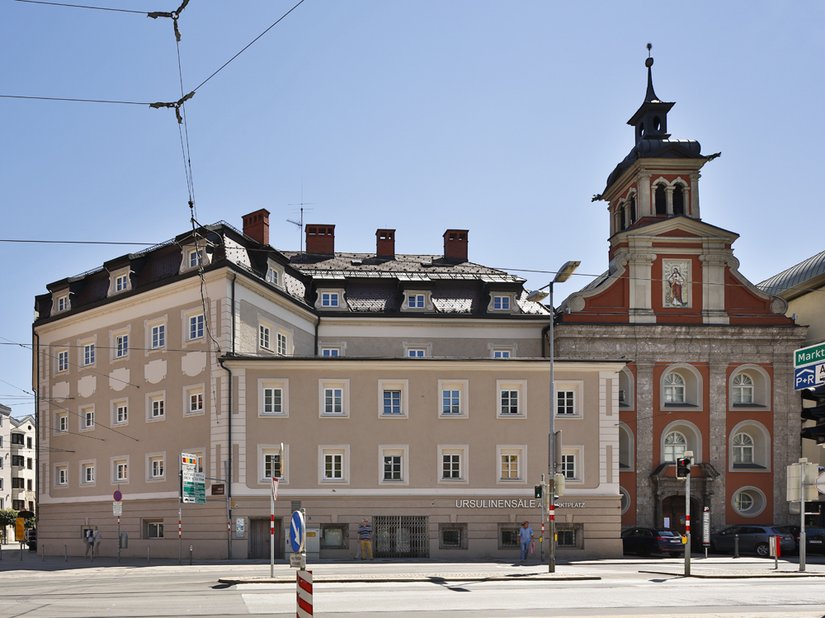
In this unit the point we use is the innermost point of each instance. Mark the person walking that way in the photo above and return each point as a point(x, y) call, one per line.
point(365, 539)
point(525, 536)
point(97, 537)
point(89, 541)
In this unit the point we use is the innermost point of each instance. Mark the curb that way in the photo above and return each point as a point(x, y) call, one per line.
point(774, 575)
point(331, 579)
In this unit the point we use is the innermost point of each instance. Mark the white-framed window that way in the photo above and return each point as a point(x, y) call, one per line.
point(156, 466)
point(264, 337)
point(62, 361)
point(274, 397)
point(674, 387)
point(330, 352)
point(334, 397)
point(272, 466)
point(570, 465)
point(196, 326)
point(87, 417)
point(750, 447)
point(61, 473)
point(511, 463)
point(452, 463)
point(749, 387)
point(62, 422)
point(88, 354)
point(121, 283)
point(120, 412)
point(282, 341)
point(675, 445)
point(452, 398)
point(63, 303)
point(333, 463)
point(393, 464)
point(681, 387)
point(416, 353)
point(87, 472)
point(416, 301)
point(626, 448)
point(272, 462)
point(501, 303)
point(501, 353)
point(417, 349)
point(626, 390)
point(157, 336)
point(392, 398)
point(749, 501)
point(156, 406)
point(195, 258)
point(569, 398)
point(743, 446)
point(272, 275)
point(330, 299)
point(511, 398)
point(120, 470)
point(677, 437)
point(152, 528)
point(121, 345)
point(193, 400)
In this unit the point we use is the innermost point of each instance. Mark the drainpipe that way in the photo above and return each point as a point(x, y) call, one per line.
point(544, 336)
point(229, 420)
point(36, 390)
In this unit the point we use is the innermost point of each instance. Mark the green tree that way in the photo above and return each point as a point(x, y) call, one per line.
point(8, 517)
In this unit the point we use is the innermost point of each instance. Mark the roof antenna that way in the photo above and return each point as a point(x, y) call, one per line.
point(300, 222)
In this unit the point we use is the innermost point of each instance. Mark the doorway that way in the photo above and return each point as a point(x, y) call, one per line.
point(259, 538)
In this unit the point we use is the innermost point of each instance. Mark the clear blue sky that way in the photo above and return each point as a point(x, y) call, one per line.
point(503, 117)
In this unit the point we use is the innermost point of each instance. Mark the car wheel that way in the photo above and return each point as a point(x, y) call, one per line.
point(762, 550)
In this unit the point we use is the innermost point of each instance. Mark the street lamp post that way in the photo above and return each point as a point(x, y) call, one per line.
point(562, 275)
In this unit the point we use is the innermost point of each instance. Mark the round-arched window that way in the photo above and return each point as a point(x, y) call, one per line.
point(742, 449)
point(742, 390)
point(675, 445)
point(625, 504)
point(674, 386)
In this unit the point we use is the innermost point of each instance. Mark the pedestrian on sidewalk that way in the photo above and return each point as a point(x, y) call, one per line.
point(365, 539)
point(525, 535)
point(97, 537)
point(89, 541)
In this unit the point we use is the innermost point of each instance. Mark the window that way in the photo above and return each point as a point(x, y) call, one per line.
point(626, 398)
point(392, 467)
point(334, 463)
point(626, 449)
point(62, 422)
point(749, 501)
point(501, 303)
point(88, 354)
point(271, 275)
point(392, 398)
point(329, 299)
point(195, 326)
point(749, 386)
point(750, 447)
point(87, 473)
point(742, 450)
point(330, 352)
point(157, 468)
point(18, 460)
point(28, 442)
point(452, 398)
point(678, 199)
point(508, 536)
point(272, 462)
point(501, 353)
point(18, 483)
point(120, 412)
point(510, 463)
point(121, 346)
point(120, 470)
point(333, 401)
point(63, 303)
point(675, 446)
point(660, 199)
point(416, 353)
point(742, 392)
point(17, 438)
point(565, 402)
point(568, 466)
point(570, 536)
point(158, 337)
point(334, 397)
point(87, 417)
point(511, 397)
point(61, 472)
point(273, 394)
point(416, 301)
point(452, 463)
point(152, 528)
point(392, 402)
point(156, 406)
point(29, 464)
point(451, 401)
point(121, 283)
point(334, 536)
point(195, 258)
point(283, 343)
point(194, 400)
point(451, 466)
point(272, 466)
point(569, 398)
point(674, 388)
point(452, 536)
point(63, 360)
point(264, 337)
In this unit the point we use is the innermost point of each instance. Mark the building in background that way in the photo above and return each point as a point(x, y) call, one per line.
point(409, 389)
point(5, 457)
point(710, 356)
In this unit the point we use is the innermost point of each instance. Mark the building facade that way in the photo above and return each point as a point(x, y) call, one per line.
point(408, 389)
point(709, 355)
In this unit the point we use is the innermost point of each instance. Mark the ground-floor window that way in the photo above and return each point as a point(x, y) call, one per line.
point(152, 528)
point(507, 536)
point(334, 536)
point(452, 536)
point(570, 535)
point(400, 536)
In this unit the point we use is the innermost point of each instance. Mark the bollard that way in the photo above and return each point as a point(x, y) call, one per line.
point(304, 607)
point(147, 554)
point(735, 545)
point(66, 552)
point(43, 553)
point(21, 552)
point(190, 555)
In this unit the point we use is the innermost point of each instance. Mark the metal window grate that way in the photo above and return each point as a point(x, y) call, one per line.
point(400, 536)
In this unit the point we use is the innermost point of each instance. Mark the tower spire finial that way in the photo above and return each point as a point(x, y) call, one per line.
point(650, 95)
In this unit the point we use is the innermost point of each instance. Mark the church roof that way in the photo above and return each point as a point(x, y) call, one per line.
point(797, 279)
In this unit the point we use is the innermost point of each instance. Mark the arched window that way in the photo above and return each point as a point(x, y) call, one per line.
point(622, 224)
point(633, 208)
point(742, 390)
point(674, 388)
point(625, 448)
point(678, 200)
point(660, 199)
point(743, 449)
point(675, 445)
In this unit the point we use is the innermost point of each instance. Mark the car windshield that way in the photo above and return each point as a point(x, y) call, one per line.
point(666, 533)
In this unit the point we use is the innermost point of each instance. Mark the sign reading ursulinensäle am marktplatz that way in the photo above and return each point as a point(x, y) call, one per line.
point(809, 366)
point(193, 483)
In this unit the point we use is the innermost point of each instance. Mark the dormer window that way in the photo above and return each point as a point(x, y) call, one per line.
point(195, 258)
point(271, 276)
point(330, 299)
point(62, 303)
point(415, 301)
point(121, 283)
point(274, 273)
point(501, 303)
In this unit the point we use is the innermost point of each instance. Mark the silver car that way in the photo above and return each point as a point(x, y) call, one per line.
point(752, 540)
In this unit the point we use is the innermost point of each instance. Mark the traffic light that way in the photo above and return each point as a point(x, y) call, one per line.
point(814, 413)
point(538, 491)
point(682, 468)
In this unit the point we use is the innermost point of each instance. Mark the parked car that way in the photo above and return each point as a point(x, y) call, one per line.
point(793, 531)
point(646, 541)
point(815, 540)
point(752, 540)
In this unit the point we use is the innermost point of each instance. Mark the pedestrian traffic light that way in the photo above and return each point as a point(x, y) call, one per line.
point(682, 468)
point(814, 413)
point(538, 491)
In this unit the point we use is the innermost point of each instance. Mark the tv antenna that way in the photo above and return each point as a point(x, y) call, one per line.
point(300, 222)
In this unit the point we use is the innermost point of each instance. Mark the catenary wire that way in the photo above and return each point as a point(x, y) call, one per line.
point(83, 6)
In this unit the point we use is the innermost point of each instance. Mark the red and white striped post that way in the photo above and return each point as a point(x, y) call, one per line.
point(304, 593)
point(274, 497)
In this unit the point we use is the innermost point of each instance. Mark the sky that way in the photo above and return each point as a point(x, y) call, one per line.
point(503, 117)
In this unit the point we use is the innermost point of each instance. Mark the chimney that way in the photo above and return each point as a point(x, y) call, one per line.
point(320, 239)
point(256, 225)
point(455, 245)
point(385, 244)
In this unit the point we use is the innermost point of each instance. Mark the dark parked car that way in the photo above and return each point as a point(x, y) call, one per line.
point(752, 540)
point(815, 540)
point(646, 541)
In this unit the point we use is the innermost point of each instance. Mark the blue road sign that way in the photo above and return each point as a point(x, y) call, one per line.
point(804, 377)
point(297, 531)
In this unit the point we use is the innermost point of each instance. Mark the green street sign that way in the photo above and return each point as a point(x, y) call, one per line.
point(812, 355)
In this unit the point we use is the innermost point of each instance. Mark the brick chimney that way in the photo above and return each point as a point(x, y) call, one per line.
point(320, 239)
point(455, 245)
point(256, 225)
point(385, 244)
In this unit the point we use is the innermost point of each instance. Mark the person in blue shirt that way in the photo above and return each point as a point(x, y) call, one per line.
point(525, 535)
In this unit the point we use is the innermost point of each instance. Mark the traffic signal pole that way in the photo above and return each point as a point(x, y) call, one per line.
point(683, 467)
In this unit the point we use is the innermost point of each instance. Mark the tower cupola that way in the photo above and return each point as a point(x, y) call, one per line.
point(650, 120)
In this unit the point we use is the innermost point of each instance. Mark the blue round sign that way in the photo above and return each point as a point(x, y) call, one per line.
point(297, 531)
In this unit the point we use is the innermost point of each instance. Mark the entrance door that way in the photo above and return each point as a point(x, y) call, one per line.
point(259, 538)
point(673, 510)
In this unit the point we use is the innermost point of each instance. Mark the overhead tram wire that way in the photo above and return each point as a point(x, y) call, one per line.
point(83, 6)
